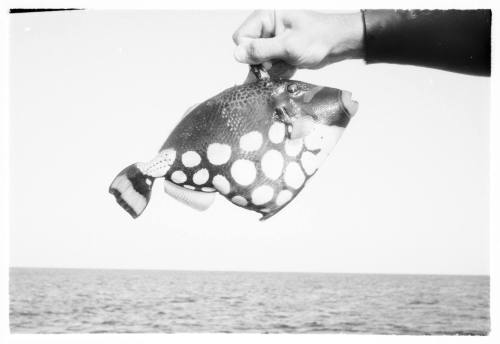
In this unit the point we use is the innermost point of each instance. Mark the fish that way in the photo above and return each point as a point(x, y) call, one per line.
point(256, 144)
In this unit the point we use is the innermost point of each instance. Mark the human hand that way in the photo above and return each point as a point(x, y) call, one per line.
point(304, 39)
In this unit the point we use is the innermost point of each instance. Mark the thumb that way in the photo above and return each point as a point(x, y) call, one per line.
point(253, 51)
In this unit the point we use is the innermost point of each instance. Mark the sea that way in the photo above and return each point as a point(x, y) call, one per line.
point(152, 301)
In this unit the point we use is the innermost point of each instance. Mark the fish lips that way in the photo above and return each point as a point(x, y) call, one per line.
point(330, 106)
point(321, 105)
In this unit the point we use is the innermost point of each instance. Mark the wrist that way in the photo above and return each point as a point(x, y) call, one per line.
point(358, 35)
point(347, 32)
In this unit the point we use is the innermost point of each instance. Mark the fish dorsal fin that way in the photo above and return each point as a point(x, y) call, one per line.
point(274, 69)
point(188, 111)
point(195, 199)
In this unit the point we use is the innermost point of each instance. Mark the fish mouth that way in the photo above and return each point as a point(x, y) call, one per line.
point(350, 106)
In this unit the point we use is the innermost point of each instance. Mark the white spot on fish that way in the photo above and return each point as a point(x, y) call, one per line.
point(207, 189)
point(262, 194)
point(277, 132)
point(218, 153)
point(190, 187)
point(191, 159)
point(272, 164)
point(243, 171)
point(251, 141)
point(239, 200)
point(221, 184)
point(149, 182)
point(283, 197)
point(294, 177)
point(293, 147)
point(309, 162)
point(201, 176)
point(178, 177)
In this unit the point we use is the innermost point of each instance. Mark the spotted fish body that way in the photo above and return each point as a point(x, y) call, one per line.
point(256, 144)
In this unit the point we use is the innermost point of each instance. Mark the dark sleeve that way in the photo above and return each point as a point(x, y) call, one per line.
point(453, 40)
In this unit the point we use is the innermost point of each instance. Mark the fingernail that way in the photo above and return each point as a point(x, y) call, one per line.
point(267, 65)
point(240, 54)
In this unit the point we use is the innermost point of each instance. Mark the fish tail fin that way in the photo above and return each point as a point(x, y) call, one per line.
point(132, 189)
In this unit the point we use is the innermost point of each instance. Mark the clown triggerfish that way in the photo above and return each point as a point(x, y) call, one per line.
point(256, 144)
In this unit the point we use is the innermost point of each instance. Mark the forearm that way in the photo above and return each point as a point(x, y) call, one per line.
point(454, 40)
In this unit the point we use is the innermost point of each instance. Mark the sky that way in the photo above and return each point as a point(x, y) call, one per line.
point(404, 191)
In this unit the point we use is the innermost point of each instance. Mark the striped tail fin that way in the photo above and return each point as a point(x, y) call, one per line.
point(132, 190)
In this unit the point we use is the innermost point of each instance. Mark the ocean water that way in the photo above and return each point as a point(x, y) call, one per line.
point(114, 301)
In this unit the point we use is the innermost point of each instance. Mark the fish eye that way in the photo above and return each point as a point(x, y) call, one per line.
point(292, 88)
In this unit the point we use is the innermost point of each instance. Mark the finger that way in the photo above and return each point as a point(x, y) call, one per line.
point(258, 24)
point(260, 50)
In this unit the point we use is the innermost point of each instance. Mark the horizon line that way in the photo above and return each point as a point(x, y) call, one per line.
point(252, 271)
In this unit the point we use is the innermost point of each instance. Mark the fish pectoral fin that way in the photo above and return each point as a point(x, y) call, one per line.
point(195, 199)
point(300, 128)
